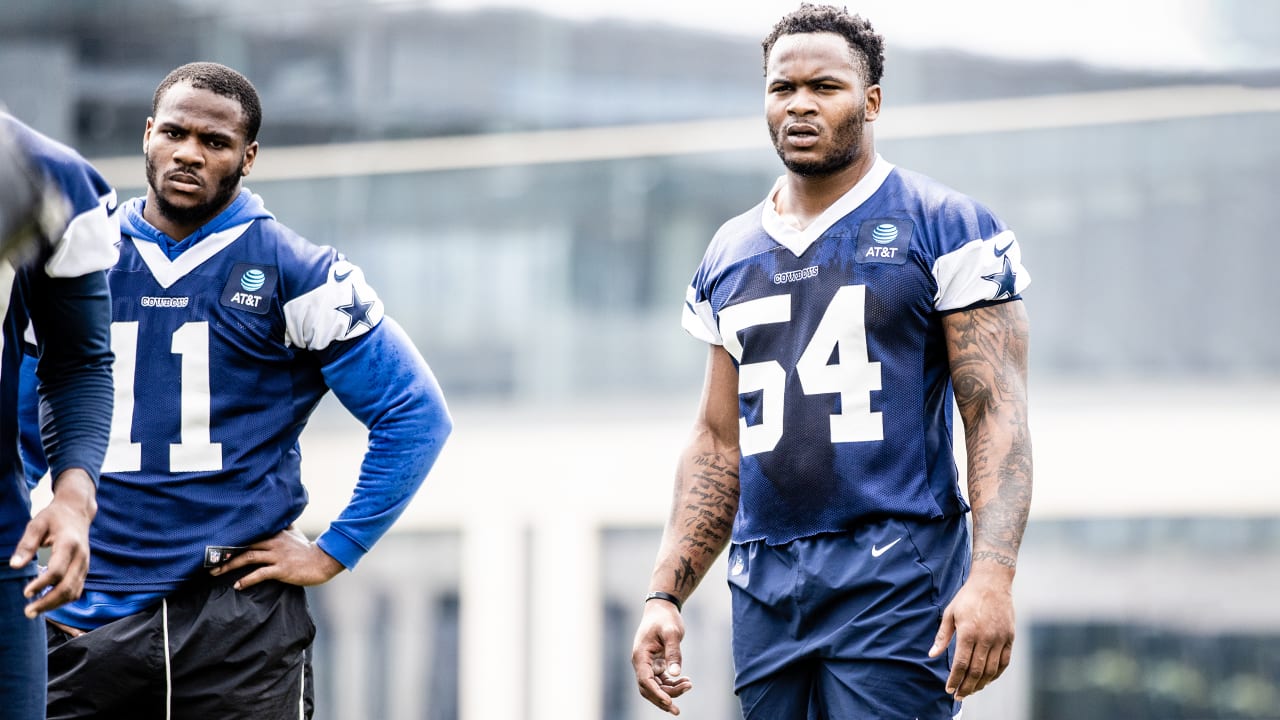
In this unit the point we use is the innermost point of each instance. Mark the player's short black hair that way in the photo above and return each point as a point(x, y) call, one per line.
point(219, 79)
point(865, 42)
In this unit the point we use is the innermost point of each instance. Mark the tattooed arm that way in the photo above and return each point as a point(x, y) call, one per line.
point(988, 352)
point(702, 510)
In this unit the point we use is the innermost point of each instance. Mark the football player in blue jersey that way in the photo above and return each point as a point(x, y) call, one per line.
point(228, 328)
point(843, 314)
point(56, 230)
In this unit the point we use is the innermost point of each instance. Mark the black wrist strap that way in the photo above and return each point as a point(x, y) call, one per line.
point(659, 595)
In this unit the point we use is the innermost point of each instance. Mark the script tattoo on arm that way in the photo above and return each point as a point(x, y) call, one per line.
point(703, 515)
point(988, 353)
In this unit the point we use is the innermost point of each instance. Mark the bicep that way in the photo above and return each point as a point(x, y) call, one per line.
point(718, 410)
point(987, 351)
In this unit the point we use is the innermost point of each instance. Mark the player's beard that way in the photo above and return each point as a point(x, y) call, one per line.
point(846, 147)
point(199, 213)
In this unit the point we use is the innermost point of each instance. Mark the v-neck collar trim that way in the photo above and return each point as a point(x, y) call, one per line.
point(167, 272)
point(797, 240)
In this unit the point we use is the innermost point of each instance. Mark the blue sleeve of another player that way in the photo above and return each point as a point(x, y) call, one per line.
point(72, 320)
point(385, 383)
point(29, 442)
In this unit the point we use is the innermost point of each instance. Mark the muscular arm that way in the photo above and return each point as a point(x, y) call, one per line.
point(698, 530)
point(72, 321)
point(705, 499)
point(386, 384)
point(988, 352)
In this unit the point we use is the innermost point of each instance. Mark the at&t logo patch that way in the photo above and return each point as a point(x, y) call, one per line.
point(250, 288)
point(884, 240)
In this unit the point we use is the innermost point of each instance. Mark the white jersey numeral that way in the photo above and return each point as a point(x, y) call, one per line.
point(854, 376)
point(194, 452)
point(842, 329)
point(123, 455)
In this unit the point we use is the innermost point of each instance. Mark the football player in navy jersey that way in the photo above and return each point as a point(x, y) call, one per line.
point(228, 328)
point(843, 314)
point(56, 230)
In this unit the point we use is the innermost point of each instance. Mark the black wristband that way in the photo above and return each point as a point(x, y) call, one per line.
point(659, 595)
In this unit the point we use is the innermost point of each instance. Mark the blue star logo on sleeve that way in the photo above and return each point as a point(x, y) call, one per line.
point(357, 312)
point(1005, 281)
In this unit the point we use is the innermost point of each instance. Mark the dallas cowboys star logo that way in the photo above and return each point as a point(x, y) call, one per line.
point(1005, 280)
point(357, 312)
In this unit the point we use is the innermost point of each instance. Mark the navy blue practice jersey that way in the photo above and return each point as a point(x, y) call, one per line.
point(843, 379)
point(219, 355)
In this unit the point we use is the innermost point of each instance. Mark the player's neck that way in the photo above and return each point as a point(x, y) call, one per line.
point(803, 198)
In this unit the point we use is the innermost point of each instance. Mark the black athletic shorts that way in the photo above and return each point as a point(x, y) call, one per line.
point(207, 651)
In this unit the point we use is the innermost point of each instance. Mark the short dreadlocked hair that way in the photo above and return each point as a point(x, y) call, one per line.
point(866, 43)
point(221, 80)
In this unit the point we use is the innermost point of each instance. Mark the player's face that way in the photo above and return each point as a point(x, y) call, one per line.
point(816, 104)
point(196, 153)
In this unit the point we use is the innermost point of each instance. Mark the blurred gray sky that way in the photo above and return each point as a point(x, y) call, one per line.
point(1168, 34)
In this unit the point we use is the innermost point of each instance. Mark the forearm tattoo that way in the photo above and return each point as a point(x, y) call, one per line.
point(995, 557)
point(988, 349)
point(704, 516)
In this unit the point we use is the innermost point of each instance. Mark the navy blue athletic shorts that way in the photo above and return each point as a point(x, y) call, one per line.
point(839, 626)
point(207, 651)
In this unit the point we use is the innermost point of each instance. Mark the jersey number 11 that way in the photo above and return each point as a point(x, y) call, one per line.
point(194, 452)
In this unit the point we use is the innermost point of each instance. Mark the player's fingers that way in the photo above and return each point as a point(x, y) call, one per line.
point(976, 676)
point(648, 661)
point(675, 687)
point(945, 630)
point(997, 661)
point(252, 556)
point(65, 579)
point(672, 664)
point(652, 690)
point(267, 572)
point(29, 544)
point(62, 592)
point(959, 666)
point(1006, 656)
point(36, 587)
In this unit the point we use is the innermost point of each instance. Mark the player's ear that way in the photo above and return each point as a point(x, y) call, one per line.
point(250, 153)
point(873, 104)
point(146, 134)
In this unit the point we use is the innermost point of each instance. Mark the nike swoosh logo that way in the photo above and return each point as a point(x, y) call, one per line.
point(339, 277)
point(878, 551)
point(1001, 251)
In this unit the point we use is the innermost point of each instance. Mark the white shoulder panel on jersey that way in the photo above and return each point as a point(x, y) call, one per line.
point(978, 271)
point(344, 307)
point(89, 243)
point(698, 319)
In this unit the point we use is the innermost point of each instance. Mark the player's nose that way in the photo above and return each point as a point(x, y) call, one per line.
point(187, 152)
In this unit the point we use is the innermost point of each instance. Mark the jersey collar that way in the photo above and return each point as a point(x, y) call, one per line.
point(796, 240)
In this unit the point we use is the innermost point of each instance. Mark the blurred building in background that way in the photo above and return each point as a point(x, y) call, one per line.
point(530, 197)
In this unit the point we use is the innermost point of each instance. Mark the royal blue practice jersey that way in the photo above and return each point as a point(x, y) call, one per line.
point(62, 289)
point(843, 380)
point(224, 345)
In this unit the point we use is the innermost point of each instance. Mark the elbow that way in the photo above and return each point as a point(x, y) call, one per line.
point(431, 412)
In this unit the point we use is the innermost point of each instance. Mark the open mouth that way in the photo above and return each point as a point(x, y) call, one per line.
point(802, 134)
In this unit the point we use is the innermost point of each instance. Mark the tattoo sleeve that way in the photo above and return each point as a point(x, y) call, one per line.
point(988, 353)
point(701, 522)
